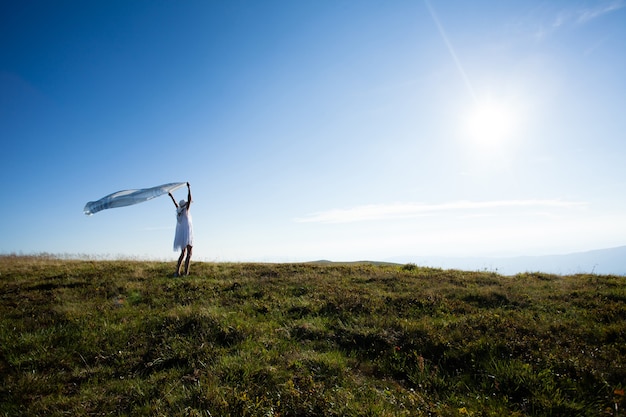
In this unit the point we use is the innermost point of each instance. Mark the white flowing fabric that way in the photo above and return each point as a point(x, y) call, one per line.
point(129, 197)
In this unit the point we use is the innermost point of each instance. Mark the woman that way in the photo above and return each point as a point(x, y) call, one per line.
point(183, 240)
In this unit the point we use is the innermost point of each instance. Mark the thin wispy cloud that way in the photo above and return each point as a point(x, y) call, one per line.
point(567, 17)
point(410, 210)
point(152, 229)
point(586, 14)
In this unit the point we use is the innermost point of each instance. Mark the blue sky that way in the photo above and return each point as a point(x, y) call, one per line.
point(342, 130)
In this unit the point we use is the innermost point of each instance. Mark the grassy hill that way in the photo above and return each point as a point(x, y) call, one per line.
point(125, 338)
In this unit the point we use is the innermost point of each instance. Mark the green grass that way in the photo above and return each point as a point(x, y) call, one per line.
point(125, 338)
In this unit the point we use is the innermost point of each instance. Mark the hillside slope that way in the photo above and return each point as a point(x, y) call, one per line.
point(125, 338)
point(611, 261)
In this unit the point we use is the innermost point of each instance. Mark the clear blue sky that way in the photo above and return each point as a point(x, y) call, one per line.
point(340, 130)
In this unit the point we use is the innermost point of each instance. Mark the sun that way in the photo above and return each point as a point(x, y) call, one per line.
point(491, 123)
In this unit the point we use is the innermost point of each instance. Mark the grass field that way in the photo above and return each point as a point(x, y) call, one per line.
point(80, 337)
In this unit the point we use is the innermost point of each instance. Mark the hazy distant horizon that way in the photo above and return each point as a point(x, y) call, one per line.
point(607, 261)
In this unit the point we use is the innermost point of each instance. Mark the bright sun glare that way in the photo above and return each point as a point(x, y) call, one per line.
point(491, 123)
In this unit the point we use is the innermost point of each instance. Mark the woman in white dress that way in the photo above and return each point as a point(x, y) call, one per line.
point(183, 240)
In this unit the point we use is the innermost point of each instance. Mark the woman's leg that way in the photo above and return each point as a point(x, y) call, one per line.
point(180, 261)
point(189, 250)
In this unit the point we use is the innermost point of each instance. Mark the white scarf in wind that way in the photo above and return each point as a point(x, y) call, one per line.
point(130, 197)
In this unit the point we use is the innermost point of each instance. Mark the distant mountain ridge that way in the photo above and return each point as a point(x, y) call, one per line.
point(611, 261)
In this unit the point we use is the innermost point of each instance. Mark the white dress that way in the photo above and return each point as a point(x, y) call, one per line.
point(184, 229)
